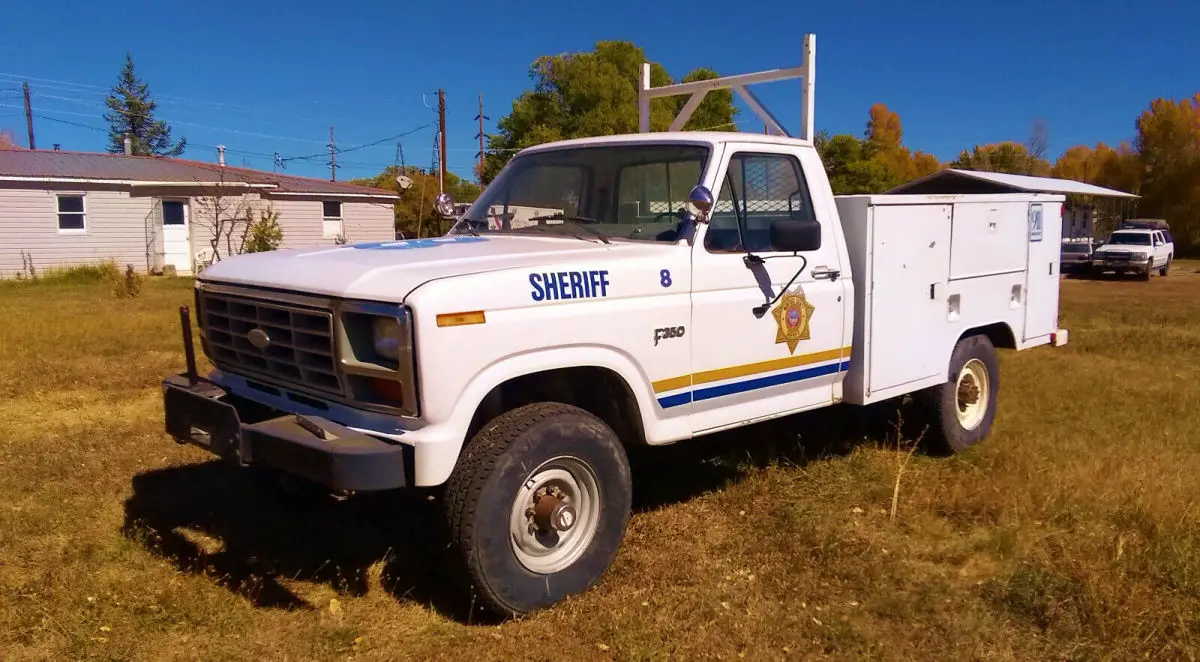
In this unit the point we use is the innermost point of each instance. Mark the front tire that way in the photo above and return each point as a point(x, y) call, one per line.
point(537, 506)
point(964, 408)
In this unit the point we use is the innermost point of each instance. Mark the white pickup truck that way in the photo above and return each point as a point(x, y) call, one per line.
point(513, 366)
point(1137, 250)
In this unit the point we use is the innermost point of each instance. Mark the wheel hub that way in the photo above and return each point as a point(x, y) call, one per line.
point(972, 394)
point(551, 511)
point(968, 391)
point(555, 515)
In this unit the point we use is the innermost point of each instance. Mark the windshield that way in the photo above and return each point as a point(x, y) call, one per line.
point(634, 192)
point(1130, 239)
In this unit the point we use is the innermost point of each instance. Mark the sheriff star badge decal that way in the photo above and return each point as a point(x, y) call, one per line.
point(792, 315)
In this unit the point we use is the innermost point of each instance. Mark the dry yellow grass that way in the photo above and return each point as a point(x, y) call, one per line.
point(1073, 533)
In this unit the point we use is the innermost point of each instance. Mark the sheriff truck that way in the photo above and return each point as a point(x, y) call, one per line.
point(677, 284)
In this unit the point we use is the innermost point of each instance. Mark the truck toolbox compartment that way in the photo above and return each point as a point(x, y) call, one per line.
point(987, 238)
point(311, 447)
point(929, 268)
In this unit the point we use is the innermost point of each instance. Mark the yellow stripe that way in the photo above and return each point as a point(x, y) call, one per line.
point(736, 371)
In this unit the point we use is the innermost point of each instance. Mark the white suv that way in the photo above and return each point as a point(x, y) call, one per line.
point(1139, 251)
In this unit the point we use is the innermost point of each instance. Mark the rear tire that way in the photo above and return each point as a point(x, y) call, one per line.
point(963, 409)
point(537, 507)
point(1165, 267)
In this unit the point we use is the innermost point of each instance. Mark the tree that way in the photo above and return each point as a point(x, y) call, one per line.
point(226, 214)
point(263, 233)
point(875, 163)
point(414, 212)
point(131, 114)
point(595, 93)
point(1008, 157)
point(1103, 166)
point(1168, 144)
point(1039, 139)
point(847, 166)
point(7, 141)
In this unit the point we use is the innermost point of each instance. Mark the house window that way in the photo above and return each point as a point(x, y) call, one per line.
point(71, 216)
point(331, 221)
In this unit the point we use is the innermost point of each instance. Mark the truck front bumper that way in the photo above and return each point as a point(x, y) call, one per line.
point(203, 414)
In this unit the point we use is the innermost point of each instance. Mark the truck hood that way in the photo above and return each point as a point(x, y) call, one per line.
point(389, 271)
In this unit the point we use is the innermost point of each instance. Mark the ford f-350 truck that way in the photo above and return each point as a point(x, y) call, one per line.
point(680, 283)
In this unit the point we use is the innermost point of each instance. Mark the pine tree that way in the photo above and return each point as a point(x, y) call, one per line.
point(132, 115)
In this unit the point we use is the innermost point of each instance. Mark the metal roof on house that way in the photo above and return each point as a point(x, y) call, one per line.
point(41, 165)
point(954, 180)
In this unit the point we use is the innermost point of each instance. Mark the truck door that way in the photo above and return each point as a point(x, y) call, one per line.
point(746, 363)
point(1041, 284)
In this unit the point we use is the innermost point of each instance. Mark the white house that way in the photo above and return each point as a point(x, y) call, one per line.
point(60, 209)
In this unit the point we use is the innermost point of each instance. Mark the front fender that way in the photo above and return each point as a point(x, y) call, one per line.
point(439, 444)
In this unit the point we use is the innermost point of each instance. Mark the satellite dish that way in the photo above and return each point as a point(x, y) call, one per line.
point(403, 181)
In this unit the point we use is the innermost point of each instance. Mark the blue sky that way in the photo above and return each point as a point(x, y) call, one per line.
point(263, 77)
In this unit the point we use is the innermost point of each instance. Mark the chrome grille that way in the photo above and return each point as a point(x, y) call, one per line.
point(300, 349)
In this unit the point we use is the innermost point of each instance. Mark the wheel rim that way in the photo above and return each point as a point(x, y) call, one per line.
point(555, 515)
point(972, 394)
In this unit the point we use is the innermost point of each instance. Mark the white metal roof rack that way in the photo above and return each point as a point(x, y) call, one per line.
point(738, 83)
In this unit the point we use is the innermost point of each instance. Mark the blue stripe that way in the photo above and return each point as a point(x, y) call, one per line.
point(711, 392)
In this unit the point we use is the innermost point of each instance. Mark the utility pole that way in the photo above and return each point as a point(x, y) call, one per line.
point(29, 116)
point(481, 117)
point(332, 156)
point(442, 142)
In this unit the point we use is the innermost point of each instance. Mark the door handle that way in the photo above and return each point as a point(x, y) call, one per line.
point(825, 272)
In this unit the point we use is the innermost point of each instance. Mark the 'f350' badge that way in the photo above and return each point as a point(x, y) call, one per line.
point(792, 315)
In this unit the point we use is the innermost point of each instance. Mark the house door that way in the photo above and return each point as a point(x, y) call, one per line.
point(175, 235)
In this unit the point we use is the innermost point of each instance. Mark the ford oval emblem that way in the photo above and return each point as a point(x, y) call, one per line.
point(258, 338)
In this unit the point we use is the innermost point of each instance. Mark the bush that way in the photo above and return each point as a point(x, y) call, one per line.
point(264, 233)
point(127, 286)
point(82, 274)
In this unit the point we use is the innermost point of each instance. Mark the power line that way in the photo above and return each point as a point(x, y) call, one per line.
point(308, 157)
point(201, 126)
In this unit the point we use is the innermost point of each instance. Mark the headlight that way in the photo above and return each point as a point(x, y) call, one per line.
point(386, 338)
point(376, 355)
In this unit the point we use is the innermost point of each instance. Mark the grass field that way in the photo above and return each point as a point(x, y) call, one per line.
point(1072, 533)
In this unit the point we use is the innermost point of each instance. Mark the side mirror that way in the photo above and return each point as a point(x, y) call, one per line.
point(444, 205)
point(795, 236)
point(702, 199)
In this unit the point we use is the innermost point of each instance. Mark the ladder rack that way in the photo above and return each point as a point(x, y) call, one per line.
point(738, 83)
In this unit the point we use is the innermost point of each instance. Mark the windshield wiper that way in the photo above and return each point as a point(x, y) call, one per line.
point(576, 221)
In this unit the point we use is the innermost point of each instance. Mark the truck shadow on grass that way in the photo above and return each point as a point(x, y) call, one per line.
point(215, 520)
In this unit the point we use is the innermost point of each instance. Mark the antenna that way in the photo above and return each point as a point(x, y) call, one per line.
point(697, 89)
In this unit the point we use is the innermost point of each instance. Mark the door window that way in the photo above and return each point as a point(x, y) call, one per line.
point(172, 211)
point(758, 189)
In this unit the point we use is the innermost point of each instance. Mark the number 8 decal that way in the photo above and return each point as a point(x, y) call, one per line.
point(664, 278)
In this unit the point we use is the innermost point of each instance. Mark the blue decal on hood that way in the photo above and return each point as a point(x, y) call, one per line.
point(406, 244)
